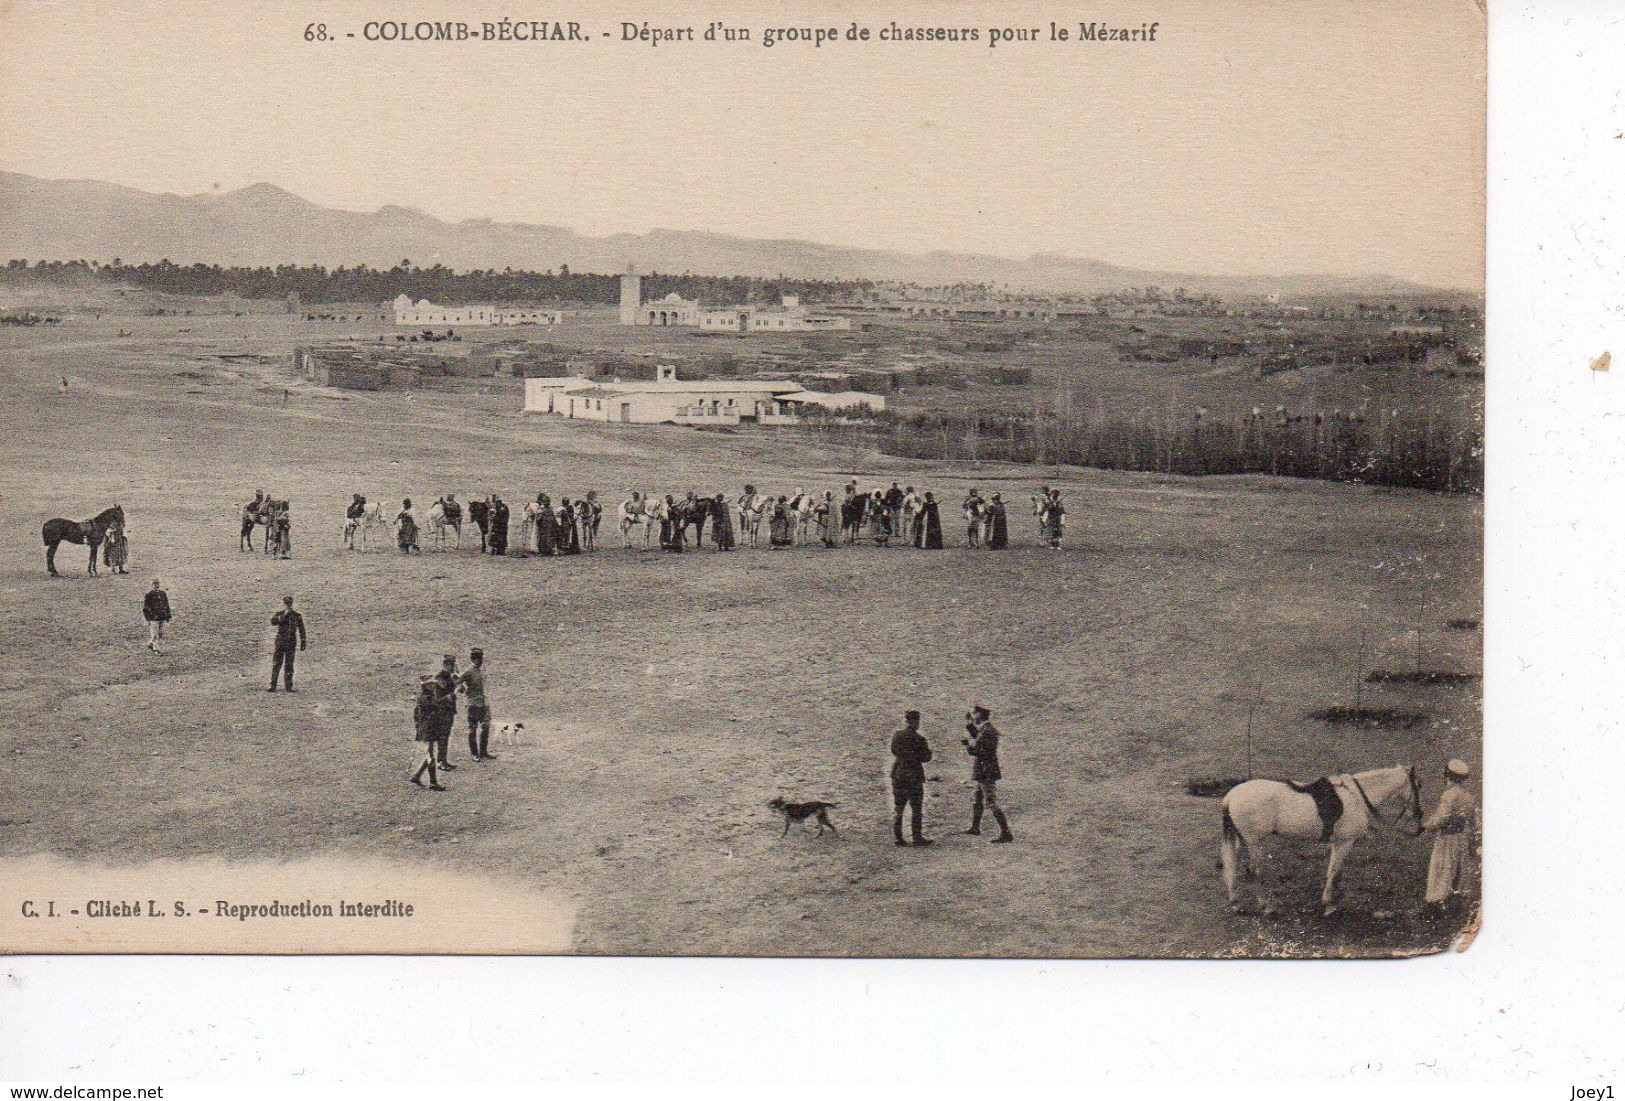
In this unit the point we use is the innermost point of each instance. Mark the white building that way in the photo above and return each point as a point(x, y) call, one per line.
point(668, 400)
point(424, 312)
point(790, 316)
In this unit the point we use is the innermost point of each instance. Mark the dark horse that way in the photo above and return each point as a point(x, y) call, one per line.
point(91, 531)
point(692, 513)
point(479, 511)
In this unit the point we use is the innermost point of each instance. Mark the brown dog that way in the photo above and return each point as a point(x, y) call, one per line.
point(800, 812)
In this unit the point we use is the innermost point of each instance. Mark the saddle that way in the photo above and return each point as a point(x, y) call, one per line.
point(1327, 801)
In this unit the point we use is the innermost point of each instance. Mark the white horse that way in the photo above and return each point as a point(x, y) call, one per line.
point(804, 517)
point(438, 523)
point(635, 513)
point(751, 506)
point(1256, 809)
point(371, 518)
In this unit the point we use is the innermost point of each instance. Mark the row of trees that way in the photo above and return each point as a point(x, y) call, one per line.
point(1419, 452)
point(317, 284)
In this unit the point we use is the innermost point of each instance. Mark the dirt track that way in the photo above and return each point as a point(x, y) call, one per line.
point(670, 697)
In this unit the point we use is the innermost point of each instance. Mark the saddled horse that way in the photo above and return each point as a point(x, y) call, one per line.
point(372, 519)
point(635, 512)
point(253, 514)
point(82, 532)
point(1256, 809)
point(445, 514)
point(751, 507)
point(277, 517)
point(692, 512)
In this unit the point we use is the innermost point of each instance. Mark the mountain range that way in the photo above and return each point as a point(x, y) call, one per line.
point(264, 225)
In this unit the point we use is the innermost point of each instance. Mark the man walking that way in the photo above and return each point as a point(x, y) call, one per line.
point(983, 746)
point(290, 628)
point(155, 610)
point(909, 751)
point(479, 713)
point(445, 683)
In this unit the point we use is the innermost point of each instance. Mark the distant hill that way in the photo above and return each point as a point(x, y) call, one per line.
point(263, 225)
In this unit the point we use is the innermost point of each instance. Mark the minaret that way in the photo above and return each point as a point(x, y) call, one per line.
point(631, 297)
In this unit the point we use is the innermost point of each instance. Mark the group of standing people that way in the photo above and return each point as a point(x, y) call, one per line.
point(898, 514)
point(986, 522)
point(569, 528)
point(434, 716)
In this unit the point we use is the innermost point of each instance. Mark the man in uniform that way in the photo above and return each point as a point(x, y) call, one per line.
point(445, 683)
point(909, 751)
point(983, 746)
point(290, 628)
point(1452, 825)
point(479, 713)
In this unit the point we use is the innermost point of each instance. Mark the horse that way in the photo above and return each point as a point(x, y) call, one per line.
point(92, 532)
point(592, 514)
point(693, 512)
point(479, 511)
point(751, 506)
point(278, 520)
point(1255, 809)
point(250, 516)
point(804, 505)
point(635, 512)
point(372, 517)
point(440, 518)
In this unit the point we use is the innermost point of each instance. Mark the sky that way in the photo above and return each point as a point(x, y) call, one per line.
point(1336, 136)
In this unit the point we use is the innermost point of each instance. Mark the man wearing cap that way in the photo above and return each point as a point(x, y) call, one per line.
point(983, 746)
point(909, 751)
point(290, 628)
point(1451, 823)
point(155, 610)
point(445, 683)
point(479, 713)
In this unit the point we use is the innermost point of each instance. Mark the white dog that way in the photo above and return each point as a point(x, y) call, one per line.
point(509, 733)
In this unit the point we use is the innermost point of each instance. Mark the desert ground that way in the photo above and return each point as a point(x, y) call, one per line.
point(669, 697)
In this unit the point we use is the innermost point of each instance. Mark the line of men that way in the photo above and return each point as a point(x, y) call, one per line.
point(898, 513)
point(434, 716)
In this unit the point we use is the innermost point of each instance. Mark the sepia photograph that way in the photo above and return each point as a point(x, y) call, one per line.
point(979, 480)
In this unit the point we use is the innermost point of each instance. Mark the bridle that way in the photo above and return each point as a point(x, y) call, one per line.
point(1394, 824)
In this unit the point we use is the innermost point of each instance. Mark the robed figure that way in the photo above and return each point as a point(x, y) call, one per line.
point(930, 530)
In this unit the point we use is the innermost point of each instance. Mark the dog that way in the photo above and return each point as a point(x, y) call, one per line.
point(509, 734)
point(800, 812)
